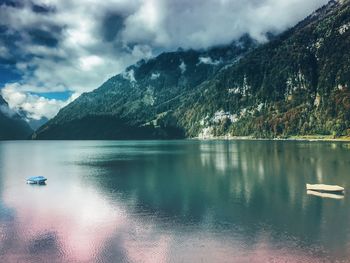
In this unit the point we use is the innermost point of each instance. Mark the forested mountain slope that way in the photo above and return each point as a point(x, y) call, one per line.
point(297, 84)
point(140, 102)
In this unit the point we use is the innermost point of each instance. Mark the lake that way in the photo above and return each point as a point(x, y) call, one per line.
point(173, 201)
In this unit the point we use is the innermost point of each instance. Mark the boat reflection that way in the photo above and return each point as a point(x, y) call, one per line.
point(325, 195)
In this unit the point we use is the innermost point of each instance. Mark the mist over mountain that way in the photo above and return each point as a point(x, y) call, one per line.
point(12, 126)
point(34, 123)
point(297, 84)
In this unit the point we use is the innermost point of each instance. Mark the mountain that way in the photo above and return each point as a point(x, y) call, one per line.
point(140, 102)
point(12, 126)
point(296, 84)
point(36, 124)
point(33, 123)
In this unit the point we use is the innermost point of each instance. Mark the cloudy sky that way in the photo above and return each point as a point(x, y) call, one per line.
point(53, 50)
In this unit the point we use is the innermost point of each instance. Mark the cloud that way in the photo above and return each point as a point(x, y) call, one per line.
point(204, 23)
point(155, 76)
point(36, 107)
point(129, 75)
point(58, 45)
point(4, 109)
point(182, 67)
point(89, 62)
point(209, 61)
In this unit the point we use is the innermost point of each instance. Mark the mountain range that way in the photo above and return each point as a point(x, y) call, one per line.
point(295, 84)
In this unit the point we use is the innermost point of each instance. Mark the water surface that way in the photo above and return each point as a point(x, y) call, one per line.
point(173, 201)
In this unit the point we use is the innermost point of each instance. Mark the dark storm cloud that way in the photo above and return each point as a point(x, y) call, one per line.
point(48, 36)
point(111, 25)
point(9, 54)
point(61, 45)
point(12, 3)
point(42, 9)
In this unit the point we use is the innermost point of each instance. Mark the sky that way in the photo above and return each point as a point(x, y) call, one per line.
point(51, 51)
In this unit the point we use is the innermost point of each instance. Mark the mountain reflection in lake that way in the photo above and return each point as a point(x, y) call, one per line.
point(178, 201)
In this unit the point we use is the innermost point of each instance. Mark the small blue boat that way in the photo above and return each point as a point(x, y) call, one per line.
point(36, 180)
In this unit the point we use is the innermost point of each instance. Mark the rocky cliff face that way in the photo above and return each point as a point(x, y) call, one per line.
point(298, 83)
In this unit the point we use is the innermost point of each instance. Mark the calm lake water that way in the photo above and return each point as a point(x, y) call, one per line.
point(178, 201)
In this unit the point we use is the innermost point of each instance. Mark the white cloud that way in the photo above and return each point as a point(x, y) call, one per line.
point(182, 67)
point(209, 61)
point(155, 76)
point(129, 75)
point(203, 23)
point(35, 106)
point(90, 62)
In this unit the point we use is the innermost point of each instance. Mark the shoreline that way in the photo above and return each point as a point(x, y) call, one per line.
point(308, 138)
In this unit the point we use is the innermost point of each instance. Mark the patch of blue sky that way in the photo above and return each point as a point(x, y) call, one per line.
point(8, 75)
point(63, 95)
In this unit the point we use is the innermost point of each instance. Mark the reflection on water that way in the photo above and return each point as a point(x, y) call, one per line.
point(183, 201)
point(325, 195)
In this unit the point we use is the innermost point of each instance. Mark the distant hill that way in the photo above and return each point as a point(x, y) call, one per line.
point(33, 123)
point(12, 126)
point(297, 84)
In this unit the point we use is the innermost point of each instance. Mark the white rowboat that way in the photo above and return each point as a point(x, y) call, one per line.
point(325, 188)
